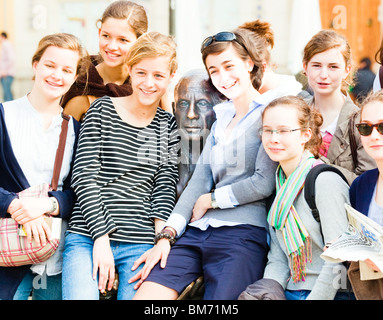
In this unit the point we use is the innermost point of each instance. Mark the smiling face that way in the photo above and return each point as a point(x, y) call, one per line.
point(229, 73)
point(55, 72)
point(115, 39)
point(150, 79)
point(373, 144)
point(287, 146)
point(326, 71)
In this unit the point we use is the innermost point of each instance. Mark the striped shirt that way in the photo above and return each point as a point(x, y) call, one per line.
point(124, 177)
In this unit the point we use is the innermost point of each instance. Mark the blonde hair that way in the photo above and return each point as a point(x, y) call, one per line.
point(134, 13)
point(151, 45)
point(63, 41)
point(308, 118)
point(328, 39)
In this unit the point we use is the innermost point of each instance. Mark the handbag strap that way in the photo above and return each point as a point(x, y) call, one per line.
point(60, 152)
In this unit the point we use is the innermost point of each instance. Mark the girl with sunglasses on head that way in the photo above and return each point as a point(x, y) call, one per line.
point(219, 221)
point(291, 136)
point(30, 128)
point(366, 192)
point(327, 63)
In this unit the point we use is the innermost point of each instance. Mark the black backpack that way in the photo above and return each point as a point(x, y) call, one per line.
point(309, 189)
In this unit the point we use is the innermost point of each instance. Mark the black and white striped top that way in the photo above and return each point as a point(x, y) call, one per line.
point(124, 177)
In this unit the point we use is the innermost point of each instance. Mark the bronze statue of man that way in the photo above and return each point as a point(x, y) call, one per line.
point(194, 99)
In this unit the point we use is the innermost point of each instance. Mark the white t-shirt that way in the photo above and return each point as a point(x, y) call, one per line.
point(34, 148)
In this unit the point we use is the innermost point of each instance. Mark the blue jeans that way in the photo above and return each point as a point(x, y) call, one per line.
point(6, 83)
point(42, 287)
point(77, 281)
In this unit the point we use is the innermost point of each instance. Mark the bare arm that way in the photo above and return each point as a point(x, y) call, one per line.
point(77, 107)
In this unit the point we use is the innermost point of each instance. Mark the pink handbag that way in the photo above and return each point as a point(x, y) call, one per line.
point(15, 250)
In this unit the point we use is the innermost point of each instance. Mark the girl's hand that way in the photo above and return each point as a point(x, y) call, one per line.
point(39, 230)
point(201, 206)
point(27, 209)
point(103, 263)
point(151, 257)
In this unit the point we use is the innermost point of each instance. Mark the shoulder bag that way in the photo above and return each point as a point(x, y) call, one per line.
point(15, 250)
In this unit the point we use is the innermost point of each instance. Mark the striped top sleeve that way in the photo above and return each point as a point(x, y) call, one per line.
point(124, 177)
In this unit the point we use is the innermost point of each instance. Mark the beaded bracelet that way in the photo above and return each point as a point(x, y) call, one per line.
point(164, 235)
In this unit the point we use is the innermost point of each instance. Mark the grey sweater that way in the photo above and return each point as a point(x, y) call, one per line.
point(321, 277)
point(244, 166)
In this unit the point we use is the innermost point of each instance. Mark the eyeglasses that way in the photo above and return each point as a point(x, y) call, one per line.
point(365, 129)
point(267, 133)
point(219, 37)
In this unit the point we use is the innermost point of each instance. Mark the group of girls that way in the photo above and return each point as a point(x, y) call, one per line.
point(291, 131)
point(117, 186)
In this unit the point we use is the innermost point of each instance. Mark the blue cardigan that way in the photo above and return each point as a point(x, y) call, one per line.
point(13, 180)
point(362, 189)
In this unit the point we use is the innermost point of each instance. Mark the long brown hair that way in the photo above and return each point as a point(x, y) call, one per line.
point(263, 29)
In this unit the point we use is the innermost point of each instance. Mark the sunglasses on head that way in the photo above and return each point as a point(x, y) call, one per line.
point(219, 37)
point(365, 129)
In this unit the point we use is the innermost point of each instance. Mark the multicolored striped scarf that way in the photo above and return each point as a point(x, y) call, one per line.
point(283, 216)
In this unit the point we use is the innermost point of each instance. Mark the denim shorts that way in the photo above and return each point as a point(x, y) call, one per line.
point(77, 280)
point(229, 258)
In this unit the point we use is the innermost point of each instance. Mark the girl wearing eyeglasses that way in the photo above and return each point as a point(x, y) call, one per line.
point(219, 223)
point(291, 136)
point(327, 63)
point(366, 192)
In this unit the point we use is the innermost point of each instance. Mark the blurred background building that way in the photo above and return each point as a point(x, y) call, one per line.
point(294, 22)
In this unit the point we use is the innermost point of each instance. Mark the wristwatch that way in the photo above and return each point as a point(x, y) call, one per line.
point(214, 203)
point(54, 204)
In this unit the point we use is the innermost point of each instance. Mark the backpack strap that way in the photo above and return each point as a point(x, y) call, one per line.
point(309, 189)
point(353, 144)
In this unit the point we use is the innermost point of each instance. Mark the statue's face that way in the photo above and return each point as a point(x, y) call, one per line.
point(194, 109)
